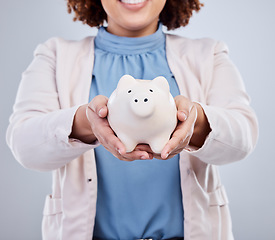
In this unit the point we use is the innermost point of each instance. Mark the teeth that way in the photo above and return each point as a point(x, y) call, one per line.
point(133, 1)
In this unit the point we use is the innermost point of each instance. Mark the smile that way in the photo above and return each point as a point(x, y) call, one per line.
point(132, 1)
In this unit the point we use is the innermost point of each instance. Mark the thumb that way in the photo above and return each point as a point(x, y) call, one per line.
point(184, 107)
point(99, 106)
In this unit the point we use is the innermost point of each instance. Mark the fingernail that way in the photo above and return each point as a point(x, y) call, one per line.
point(100, 112)
point(143, 157)
point(166, 155)
point(118, 150)
point(184, 115)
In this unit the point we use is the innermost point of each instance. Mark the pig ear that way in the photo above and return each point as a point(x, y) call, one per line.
point(125, 82)
point(162, 83)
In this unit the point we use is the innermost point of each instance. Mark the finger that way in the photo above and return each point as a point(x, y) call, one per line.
point(184, 107)
point(104, 134)
point(157, 156)
point(182, 115)
point(138, 155)
point(134, 155)
point(147, 148)
point(144, 147)
point(99, 105)
point(181, 135)
point(141, 152)
point(107, 138)
point(174, 146)
point(111, 142)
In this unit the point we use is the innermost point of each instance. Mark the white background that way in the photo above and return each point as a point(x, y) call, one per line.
point(248, 29)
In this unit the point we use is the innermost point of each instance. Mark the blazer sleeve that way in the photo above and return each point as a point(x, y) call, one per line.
point(39, 129)
point(234, 126)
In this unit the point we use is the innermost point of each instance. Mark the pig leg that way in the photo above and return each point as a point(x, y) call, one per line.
point(157, 144)
point(129, 143)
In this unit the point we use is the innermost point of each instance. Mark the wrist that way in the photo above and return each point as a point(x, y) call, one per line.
point(81, 128)
point(201, 128)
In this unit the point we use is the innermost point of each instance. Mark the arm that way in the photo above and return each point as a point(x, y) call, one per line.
point(229, 126)
point(44, 137)
point(233, 123)
point(39, 129)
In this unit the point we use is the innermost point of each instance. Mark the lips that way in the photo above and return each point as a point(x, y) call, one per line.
point(133, 5)
point(132, 1)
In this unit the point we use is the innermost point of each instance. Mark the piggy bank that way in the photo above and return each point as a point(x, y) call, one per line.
point(142, 111)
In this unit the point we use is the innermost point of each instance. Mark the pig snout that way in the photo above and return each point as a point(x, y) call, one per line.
point(142, 105)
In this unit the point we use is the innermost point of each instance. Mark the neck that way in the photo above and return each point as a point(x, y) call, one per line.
point(132, 32)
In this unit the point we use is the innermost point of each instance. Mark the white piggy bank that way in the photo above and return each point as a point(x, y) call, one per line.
point(142, 111)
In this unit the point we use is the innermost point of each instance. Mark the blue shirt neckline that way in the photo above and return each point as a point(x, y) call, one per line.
point(126, 45)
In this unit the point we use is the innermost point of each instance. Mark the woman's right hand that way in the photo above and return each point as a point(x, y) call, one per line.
point(96, 112)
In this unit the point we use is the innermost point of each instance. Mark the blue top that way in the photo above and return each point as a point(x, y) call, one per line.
point(139, 199)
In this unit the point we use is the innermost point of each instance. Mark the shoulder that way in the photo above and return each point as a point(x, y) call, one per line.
point(201, 46)
point(57, 45)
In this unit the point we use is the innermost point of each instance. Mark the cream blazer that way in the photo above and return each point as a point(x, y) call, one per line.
point(57, 82)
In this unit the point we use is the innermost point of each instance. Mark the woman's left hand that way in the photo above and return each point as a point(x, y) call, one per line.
point(187, 116)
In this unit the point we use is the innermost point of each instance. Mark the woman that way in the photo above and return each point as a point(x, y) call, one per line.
point(95, 195)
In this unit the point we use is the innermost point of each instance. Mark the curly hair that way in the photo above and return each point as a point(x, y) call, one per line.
point(175, 14)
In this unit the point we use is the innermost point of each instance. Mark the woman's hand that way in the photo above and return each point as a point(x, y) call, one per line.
point(192, 128)
point(187, 116)
point(97, 112)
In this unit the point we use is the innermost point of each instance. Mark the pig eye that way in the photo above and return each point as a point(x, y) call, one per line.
point(129, 91)
point(150, 90)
